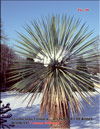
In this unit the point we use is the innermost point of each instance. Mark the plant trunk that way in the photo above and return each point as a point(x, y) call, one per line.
point(59, 120)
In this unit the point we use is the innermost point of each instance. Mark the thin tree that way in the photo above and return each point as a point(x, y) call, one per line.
point(53, 47)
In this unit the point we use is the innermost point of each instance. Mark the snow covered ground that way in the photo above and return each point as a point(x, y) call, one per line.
point(23, 117)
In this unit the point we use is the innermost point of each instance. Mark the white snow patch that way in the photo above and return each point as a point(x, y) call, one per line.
point(19, 110)
point(47, 59)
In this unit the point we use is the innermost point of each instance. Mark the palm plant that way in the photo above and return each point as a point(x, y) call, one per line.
point(52, 51)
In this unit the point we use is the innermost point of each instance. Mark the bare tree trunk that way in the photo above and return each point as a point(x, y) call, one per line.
point(59, 121)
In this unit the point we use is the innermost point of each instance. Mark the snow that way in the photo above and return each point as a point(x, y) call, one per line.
point(60, 53)
point(27, 115)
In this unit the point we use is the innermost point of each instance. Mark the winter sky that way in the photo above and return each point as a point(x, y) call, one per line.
point(15, 13)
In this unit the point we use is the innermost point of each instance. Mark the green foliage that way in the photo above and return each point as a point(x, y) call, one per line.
point(82, 66)
point(54, 47)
